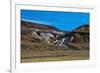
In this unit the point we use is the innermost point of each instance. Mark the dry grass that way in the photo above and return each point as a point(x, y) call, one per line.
point(57, 55)
point(42, 52)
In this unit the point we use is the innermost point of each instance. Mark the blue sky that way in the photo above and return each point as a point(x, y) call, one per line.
point(66, 21)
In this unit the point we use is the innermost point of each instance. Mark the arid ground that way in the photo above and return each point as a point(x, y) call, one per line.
point(44, 53)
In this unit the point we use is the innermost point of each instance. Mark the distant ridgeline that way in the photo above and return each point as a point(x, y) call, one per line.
point(82, 29)
point(39, 27)
point(35, 32)
point(46, 28)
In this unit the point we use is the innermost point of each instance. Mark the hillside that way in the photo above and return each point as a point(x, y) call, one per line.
point(41, 27)
point(81, 37)
point(82, 29)
point(41, 42)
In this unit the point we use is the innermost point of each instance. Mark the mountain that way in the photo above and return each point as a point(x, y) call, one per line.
point(80, 37)
point(82, 29)
point(38, 27)
point(77, 39)
point(35, 33)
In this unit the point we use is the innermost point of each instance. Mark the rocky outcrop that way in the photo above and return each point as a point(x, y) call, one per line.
point(35, 33)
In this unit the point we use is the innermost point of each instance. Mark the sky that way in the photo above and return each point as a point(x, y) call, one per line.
point(66, 21)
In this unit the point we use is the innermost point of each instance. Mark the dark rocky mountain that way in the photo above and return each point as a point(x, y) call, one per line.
point(80, 37)
point(82, 29)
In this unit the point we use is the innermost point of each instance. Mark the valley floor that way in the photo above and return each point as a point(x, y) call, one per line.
point(28, 56)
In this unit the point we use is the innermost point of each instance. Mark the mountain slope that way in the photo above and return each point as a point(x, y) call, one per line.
point(81, 37)
point(83, 29)
point(38, 26)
